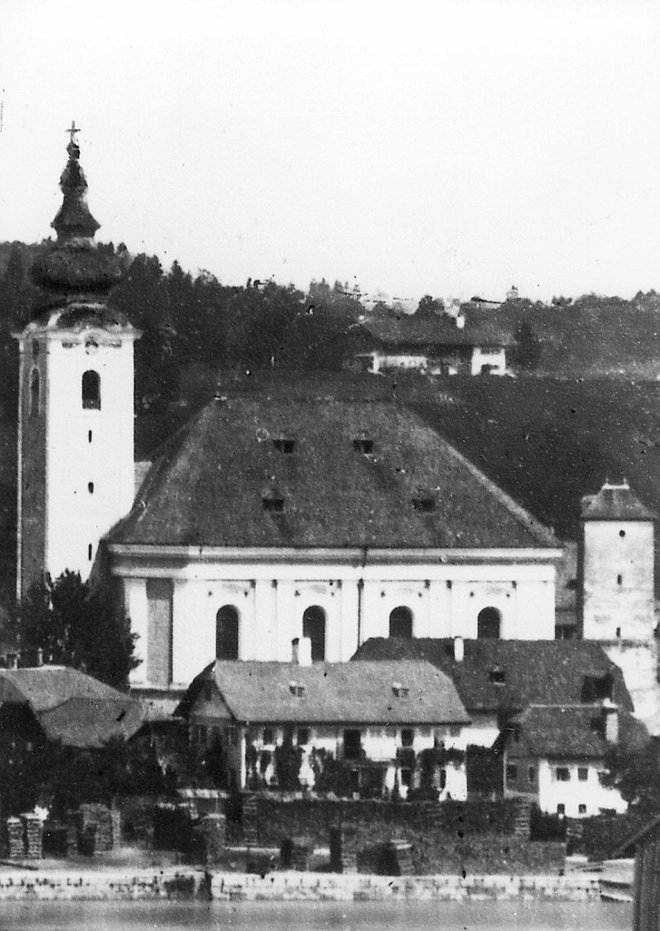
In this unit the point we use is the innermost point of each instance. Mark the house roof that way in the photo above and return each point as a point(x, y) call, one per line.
point(209, 483)
point(509, 675)
point(615, 502)
point(337, 693)
point(571, 731)
point(415, 330)
point(71, 706)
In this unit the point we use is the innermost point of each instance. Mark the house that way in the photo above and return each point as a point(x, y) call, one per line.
point(441, 344)
point(373, 720)
point(64, 705)
point(497, 679)
point(555, 755)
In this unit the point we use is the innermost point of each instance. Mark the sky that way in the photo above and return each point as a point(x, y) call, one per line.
point(449, 148)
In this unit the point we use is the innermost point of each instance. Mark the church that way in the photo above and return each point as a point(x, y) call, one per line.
point(264, 519)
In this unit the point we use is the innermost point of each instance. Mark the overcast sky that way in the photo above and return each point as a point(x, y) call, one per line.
point(451, 148)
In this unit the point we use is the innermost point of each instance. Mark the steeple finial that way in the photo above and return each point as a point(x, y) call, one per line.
point(73, 220)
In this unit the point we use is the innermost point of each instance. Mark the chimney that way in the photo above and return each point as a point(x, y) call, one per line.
point(459, 649)
point(40, 657)
point(301, 651)
point(610, 717)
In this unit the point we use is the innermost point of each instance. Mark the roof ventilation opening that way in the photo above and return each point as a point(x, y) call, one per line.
point(423, 503)
point(400, 690)
point(364, 445)
point(284, 445)
point(273, 502)
point(297, 689)
point(497, 676)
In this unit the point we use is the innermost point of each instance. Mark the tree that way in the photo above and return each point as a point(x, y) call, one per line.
point(527, 352)
point(635, 772)
point(77, 626)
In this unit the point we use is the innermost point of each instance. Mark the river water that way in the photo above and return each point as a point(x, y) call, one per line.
point(530, 915)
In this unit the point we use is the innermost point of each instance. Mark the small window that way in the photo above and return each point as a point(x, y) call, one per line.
point(489, 621)
point(622, 533)
point(406, 777)
point(443, 779)
point(583, 773)
point(35, 390)
point(423, 505)
point(363, 445)
point(582, 809)
point(89, 436)
point(401, 622)
point(562, 774)
point(407, 737)
point(352, 744)
point(273, 504)
point(91, 390)
point(302, 737)
point(619, 579)
point(90, 550)
point(297, 689)
point(455, 730)
point(531, 774)
point(284, 445)
point(497, 676)
point(618, 633)
point(511, 772)
point(90, 487)
point(561, 809)
point(602, 777)
point(268, 735)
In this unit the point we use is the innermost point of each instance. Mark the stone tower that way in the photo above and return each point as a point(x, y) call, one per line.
point(615, 566)
point(75, 433)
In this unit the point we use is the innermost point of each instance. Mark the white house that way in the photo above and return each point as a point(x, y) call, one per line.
point(555, 755)
point(373, 720)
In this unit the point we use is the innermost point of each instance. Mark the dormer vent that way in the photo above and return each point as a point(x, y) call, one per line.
point(273, 502)
point(400, 690)
point(423, 503)
point(284, 444)
point(497, 676)
point(363, 444)
point(297, 689)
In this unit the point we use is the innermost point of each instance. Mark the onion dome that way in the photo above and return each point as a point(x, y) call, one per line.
point(74, 265)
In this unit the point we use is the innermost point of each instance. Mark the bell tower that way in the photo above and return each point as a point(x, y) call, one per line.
point(75, 431)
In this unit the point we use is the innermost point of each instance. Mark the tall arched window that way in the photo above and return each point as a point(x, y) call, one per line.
point(488, 624)
point(401, 622)
point(91, 390)
point(35, 392)
point(226, 633)
point(314, 628)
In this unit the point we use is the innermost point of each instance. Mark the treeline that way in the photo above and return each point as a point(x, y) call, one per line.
point(188, 319)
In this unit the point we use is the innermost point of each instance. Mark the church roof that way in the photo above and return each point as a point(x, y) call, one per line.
point(509, 675)
point(615, 502)
point(268, 472)
point(342, 693)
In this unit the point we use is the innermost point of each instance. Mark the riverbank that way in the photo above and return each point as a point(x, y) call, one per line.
point(283, 886)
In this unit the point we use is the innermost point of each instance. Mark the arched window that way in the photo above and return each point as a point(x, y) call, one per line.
point(488, 624)
point(401, 622)
point(314, 628)
point(35, 391)
point(226, 633)
point(91, 390)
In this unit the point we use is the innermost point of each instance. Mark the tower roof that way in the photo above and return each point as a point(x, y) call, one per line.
point(614, 502)
point(75, 265)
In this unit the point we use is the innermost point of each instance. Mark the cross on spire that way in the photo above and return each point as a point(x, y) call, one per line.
point(73, 129)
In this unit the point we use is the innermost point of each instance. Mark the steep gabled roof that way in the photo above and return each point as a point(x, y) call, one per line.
point(510, 675)
point(570, 732)
point(350, 479)
point(414, 330)
point(71, 706)
point(333, 693)
point(615, 502)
